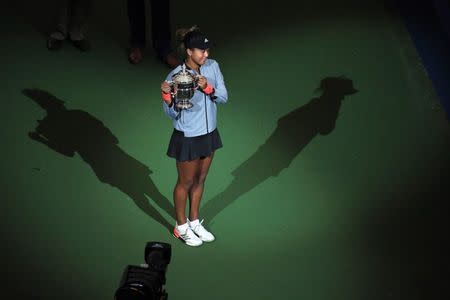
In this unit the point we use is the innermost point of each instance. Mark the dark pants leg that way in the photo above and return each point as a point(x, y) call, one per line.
point(62, 21)
point(79, 14)
point(161, 27)
point(136, 18)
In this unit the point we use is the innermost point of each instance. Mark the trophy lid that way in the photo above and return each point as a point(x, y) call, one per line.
point(183, 76)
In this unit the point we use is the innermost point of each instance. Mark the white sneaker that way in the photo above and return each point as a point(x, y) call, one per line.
point(188, 237)
point(202, 233)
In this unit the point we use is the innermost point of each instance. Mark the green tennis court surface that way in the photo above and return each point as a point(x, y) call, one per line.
point(353, 211)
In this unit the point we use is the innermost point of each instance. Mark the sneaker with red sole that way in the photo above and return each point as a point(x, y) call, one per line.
point(188, 237)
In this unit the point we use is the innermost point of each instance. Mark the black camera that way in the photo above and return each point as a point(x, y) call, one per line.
point(145, 282)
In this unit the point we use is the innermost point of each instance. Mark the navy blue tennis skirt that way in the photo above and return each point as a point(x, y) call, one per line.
point(190, 148)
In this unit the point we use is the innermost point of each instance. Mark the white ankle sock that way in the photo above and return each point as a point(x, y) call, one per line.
point(182, 227)
point(194, 223)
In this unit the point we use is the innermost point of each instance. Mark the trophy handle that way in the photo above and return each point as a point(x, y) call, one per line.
point(196, 78)
point(172, 87)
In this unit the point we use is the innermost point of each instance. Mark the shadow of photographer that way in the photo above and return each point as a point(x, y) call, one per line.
point(294, 132)
point(70, 131)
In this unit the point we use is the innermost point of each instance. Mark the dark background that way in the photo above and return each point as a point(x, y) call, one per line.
point(312, 196)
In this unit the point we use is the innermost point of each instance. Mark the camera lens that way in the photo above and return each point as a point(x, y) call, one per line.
point(145, 282)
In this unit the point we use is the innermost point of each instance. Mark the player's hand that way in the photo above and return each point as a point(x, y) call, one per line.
point(165, 87)
point(202, 82)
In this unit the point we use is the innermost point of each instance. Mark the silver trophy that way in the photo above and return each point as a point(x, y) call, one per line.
point(183, 86)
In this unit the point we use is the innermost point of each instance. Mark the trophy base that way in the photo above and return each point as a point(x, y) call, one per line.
point(184, 105)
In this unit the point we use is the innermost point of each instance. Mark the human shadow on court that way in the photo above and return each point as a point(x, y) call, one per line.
point(70, 131)
point(294, 132)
